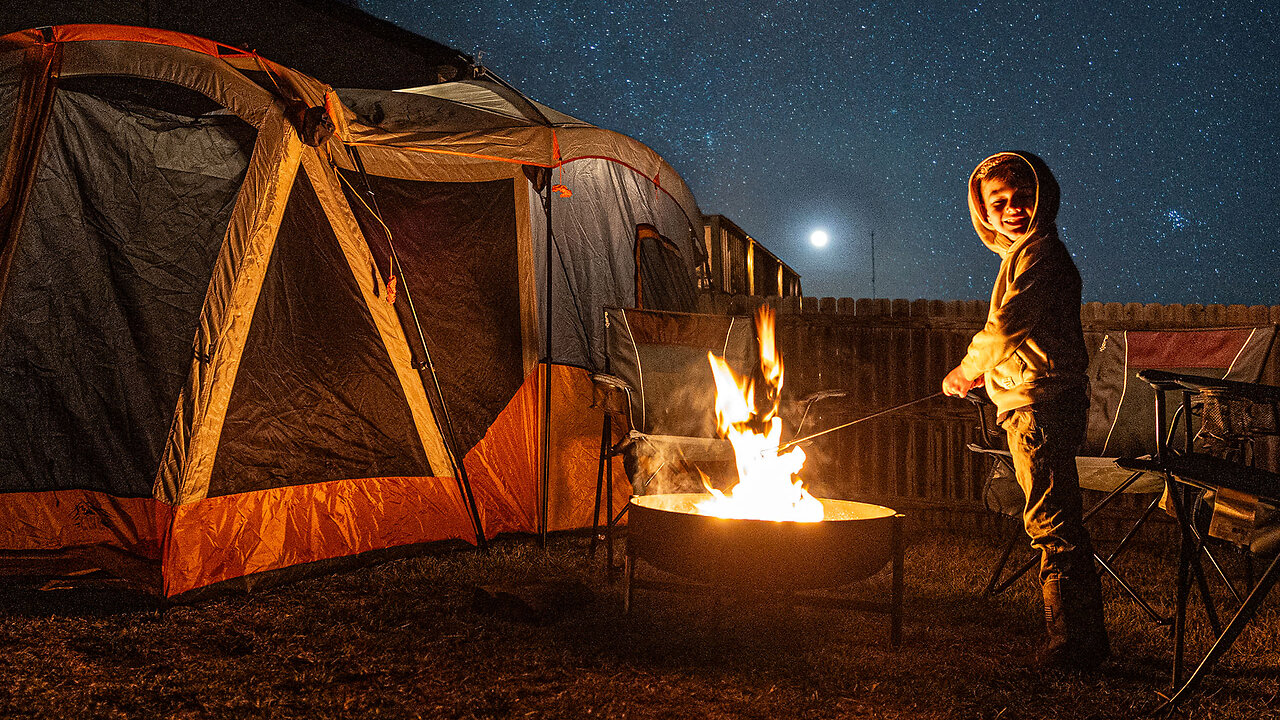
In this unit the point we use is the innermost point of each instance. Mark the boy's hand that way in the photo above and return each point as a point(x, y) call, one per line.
point(955, 384)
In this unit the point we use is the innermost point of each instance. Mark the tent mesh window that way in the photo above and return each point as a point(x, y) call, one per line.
point(316, 397)
point(134, 187)
point(457, 246)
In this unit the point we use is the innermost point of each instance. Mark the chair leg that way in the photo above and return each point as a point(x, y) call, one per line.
point(1111, 496)
point(1183, 587)
point(629, 574)
point(608, 533)
point(1120, 548)
point(1133, 531)
point(1146, 607)
point(605, 437)
point(1189, 568)
point(1232, 631)
point(1202, 584)
point(1016, 575)
point(618, 518)
point(1222, 574)
point(895, 592)
point(1198, 574)
point(994, 585)
point(1124, 543)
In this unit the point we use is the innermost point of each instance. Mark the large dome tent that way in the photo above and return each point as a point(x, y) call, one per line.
point(250, 326)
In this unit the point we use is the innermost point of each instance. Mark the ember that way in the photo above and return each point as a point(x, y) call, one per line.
point(768, 485)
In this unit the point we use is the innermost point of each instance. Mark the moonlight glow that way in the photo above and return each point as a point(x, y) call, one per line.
point(819, 238)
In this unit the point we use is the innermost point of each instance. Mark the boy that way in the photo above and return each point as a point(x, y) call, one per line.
point(1031, 357)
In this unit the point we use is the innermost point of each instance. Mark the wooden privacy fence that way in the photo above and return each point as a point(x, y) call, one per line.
point(881, 353)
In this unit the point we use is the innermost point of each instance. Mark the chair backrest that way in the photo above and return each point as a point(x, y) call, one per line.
point(663, 357)
point(1120, 419)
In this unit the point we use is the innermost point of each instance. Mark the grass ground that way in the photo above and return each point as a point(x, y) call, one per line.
point(403, 640)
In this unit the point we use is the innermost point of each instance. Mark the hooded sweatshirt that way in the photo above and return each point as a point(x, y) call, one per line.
point(1032, 345)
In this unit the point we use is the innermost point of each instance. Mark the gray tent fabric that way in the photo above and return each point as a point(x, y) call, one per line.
point(593, 257)
point(112, 265)
point(663, 275)
point(495, 99)
point(593, 254)
point(421, 117)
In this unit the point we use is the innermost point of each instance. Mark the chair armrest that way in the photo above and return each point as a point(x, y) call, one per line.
point(1253, 392)
point(1161, 379)
point(980, 400)
point(822, 395)
point(611, 394)
point(978, 396)
point(1210, 473)
point(1145, 463)
point(976, 448)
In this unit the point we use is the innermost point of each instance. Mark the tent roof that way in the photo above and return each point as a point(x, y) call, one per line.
point(486, 120)
point(495, 98)
point(479, 119)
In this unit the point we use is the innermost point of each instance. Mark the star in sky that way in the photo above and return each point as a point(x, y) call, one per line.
point(1159, 119)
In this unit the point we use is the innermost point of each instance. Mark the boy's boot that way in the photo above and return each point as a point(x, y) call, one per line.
point(1077, 634)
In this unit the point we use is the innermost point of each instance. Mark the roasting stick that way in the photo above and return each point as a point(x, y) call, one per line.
point(895, 408)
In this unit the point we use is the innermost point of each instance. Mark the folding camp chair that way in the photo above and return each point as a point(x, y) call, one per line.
point(1216, 462)
point(1121, 424)
point(1001, 493)
point(658, 383)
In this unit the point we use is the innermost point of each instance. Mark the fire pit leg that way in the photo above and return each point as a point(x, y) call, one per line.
point(629, 576)
point(895, 623)
point(608, 519)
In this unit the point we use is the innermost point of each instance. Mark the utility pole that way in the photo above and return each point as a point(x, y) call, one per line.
point(873, 264)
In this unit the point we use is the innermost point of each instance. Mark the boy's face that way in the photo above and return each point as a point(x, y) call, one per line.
point(1008, 207)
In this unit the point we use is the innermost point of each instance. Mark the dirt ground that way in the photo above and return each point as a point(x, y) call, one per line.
point(421, 637)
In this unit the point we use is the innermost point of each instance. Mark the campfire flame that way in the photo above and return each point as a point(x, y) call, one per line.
point(768, 487)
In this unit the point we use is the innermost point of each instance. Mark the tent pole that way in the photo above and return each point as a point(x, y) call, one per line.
point(451, 442)
point(459, 469)
point(544, 482)
point(30, 123)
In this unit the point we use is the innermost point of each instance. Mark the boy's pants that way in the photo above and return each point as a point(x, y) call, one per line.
point(1043, 440)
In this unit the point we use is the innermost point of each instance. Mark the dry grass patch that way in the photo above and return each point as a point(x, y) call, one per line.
point(403, 639)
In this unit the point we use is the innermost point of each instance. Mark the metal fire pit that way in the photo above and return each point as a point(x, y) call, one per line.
point(854, 542)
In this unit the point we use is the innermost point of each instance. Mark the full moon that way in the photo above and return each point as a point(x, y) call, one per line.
point(819, 238)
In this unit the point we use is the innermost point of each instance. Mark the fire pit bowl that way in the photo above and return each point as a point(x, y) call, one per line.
point(854, 542)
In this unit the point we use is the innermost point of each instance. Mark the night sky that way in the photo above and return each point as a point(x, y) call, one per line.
point(1161, 121)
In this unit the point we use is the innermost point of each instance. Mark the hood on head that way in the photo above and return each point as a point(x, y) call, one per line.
point(1044, 213)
